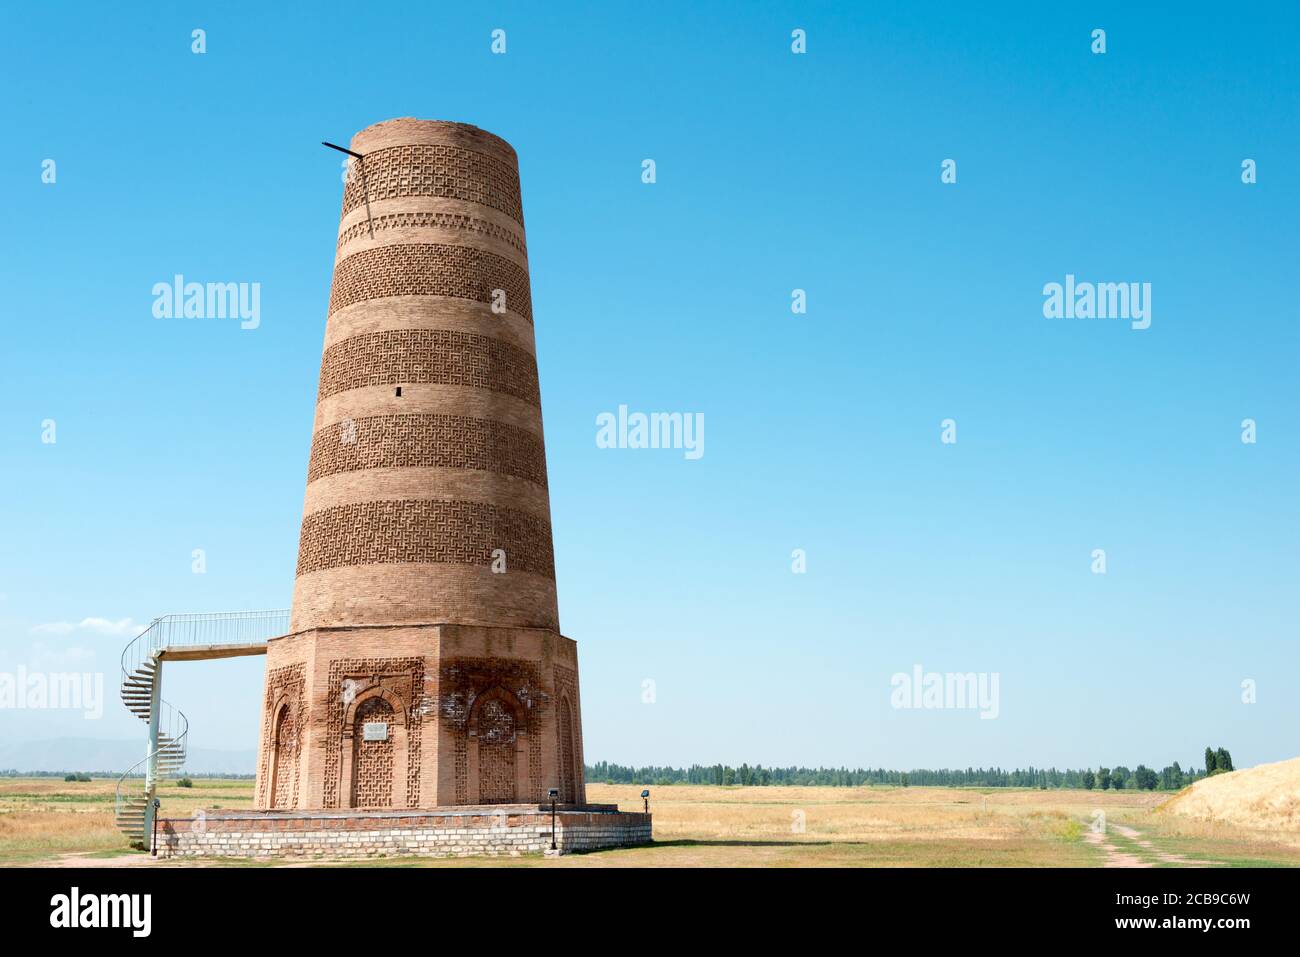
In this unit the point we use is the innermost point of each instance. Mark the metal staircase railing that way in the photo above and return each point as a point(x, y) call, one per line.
point(168, 727)
point(222, 628)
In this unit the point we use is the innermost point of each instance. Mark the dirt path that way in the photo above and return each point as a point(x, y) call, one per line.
point(1112, 855)
point(83, 860)
point(1148, 856)
point(1165, 857)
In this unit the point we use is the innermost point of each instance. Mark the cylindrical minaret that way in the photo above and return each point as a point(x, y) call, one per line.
point(428, 472)
point(424, 665)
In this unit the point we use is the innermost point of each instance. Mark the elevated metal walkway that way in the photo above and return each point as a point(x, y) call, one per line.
point(176, 638)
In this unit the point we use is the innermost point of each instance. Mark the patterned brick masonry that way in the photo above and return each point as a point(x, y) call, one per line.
point(424, 671)
point(449, 441)
point(461, 272)
point(429, 357)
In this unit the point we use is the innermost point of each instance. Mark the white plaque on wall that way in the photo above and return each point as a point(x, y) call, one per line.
point(374, 731)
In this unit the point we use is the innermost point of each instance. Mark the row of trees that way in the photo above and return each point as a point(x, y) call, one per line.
point(1217, 761)
point(1170, 778)
point(1143, 779)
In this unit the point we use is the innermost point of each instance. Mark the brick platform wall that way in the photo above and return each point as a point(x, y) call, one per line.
point(490, 832)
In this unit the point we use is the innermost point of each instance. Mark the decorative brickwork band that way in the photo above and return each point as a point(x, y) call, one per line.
point(447, 171)
point(413, 441)
point(432, 356)
point(431, 220)
point(430, 269)
point(424, 531)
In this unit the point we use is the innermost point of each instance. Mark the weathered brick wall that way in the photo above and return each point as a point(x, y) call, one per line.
point(479, 832)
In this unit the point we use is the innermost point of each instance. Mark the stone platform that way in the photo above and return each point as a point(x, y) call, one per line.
point(468, 831)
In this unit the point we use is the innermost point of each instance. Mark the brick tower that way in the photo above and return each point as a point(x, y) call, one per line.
point(424, 665)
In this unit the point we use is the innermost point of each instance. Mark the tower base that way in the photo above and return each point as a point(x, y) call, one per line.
point(392, 717)
point(489, 830)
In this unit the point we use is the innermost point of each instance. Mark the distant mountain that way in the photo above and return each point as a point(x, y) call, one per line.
point(92, 754)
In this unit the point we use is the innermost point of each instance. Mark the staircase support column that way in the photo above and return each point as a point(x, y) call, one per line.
point(151, 769)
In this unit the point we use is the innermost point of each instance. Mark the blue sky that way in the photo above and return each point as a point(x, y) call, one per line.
point(775, 171)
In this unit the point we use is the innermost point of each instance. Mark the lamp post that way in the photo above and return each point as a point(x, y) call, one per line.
point(156, 804)
point(645, 796)
point(553, 793)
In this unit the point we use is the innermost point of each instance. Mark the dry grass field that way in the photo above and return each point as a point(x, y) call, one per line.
point(48, 821)
point(41, 818)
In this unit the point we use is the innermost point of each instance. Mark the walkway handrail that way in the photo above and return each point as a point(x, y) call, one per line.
point(220, 628)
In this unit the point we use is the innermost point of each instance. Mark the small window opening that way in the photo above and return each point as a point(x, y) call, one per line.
point(399, 391)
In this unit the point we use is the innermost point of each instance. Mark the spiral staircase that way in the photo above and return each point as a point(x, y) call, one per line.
point(175, 638)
